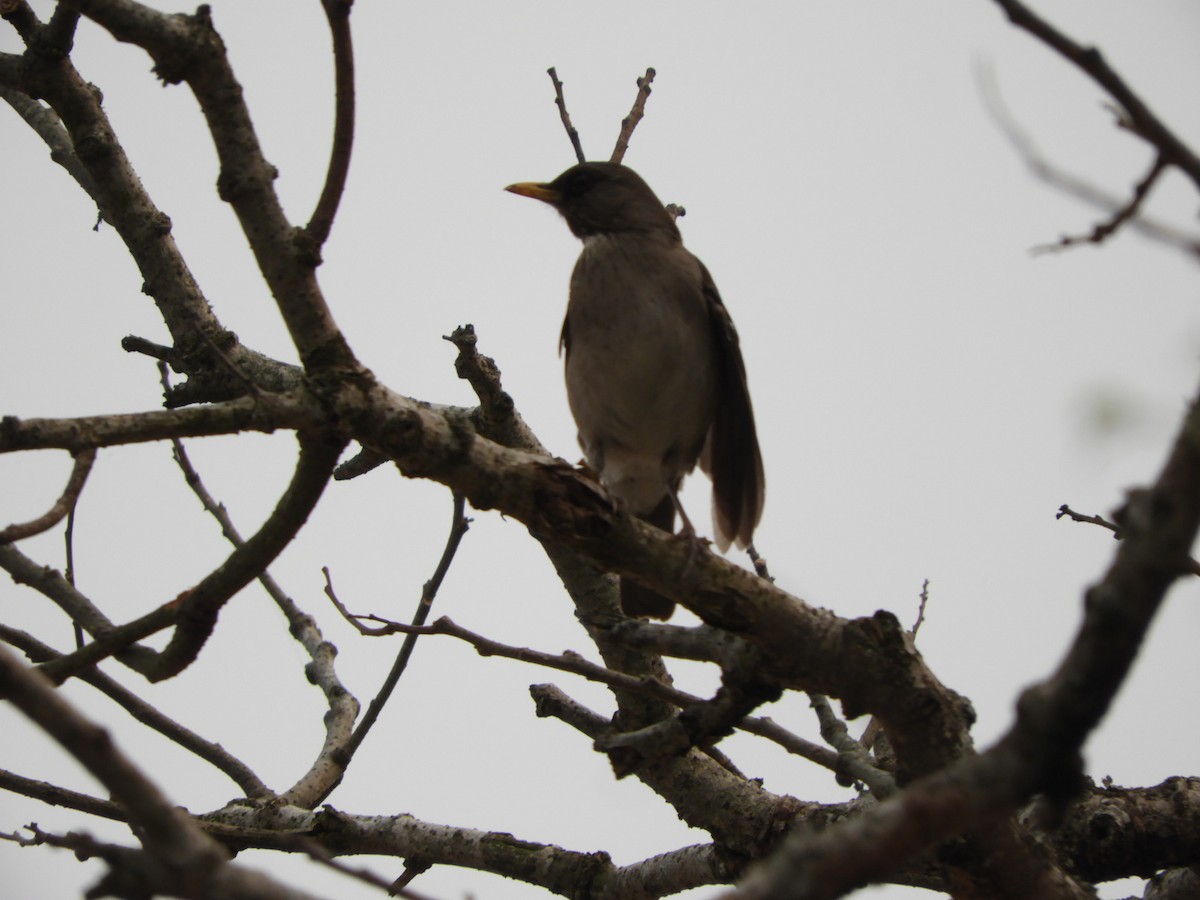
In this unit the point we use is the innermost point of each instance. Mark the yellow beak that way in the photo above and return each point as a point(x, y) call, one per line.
point(537, 191)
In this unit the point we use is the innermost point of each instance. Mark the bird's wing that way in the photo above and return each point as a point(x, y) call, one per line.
point(733, 459)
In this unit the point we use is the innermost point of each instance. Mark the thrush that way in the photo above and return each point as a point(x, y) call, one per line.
point(655, 377)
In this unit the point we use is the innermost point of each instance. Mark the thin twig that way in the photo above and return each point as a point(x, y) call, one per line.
point(338, 14)
point(630, 122)
point(343, 706)
point(1140, 119)
point(53, 795)
point(920, 609)
point(760, 564)
point(458, 528)
point(1044, 170)
point(1066, 511)
point(575, 664)
point(1191, 566)
point(213, 753)
point(194, 611)
point(50, 129)
point(167, 832)
point(1125, 213)
point(566, 116)
point(62, 507)
point(69, 574)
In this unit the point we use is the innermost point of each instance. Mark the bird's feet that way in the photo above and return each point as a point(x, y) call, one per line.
point(687, 533)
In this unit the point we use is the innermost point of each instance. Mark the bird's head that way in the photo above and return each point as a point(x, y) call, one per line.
point(601, 198)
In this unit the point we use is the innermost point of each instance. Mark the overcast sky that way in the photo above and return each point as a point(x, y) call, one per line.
point(928, 391)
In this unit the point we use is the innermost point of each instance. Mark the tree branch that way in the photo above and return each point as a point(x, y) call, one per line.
point(1140, 119)
point(49, 127)
point(343, 707)
point(561, 103)
point(264, 413)
point(194, 612)
point(630, 122)
point(64, 504)
point(458, 528)
point(1103, 230)
point(53, 795)
point(165, 831)
point(338, 14)
point(152, 718)
point(188, 48)
point(1041, 752)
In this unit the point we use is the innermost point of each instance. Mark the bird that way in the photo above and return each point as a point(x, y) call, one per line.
point(655, 378)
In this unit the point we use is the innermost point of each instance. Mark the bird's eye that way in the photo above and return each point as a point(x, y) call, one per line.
point(580, 181)
point(579, 184)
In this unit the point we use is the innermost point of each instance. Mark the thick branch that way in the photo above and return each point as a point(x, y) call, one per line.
point(1041, 752)
point(188, 48)
point(213, 753)
point(194, 612)
point(265, 413)
point(165, 830)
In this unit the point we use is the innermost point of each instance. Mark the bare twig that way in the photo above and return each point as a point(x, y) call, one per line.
point(566, 116)
point(338, 14)
point(343, 707)
point(195, 610)
point(188, 48)
point(575, 664)
point(134, 344)
point(630, 122)
point(458, 528)
point(760, 564)
point(167, 832)
point(698, 725)
point(199, 607)
point(1066, 511)
point(1044, 170)
point(49, 127)
point(920, 609)
point(62, 507)
point(1192, 566)
point(1126, 213)
point(1138, 115)
point(137, 873)
point(213, 753)
point(69, 574)
point(54, 795)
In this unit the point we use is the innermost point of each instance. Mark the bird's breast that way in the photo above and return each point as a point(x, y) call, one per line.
point(642, 363)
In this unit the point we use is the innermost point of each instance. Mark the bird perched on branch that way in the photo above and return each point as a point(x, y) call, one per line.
point(655, 377)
